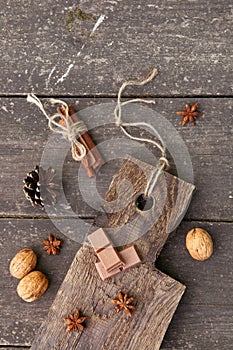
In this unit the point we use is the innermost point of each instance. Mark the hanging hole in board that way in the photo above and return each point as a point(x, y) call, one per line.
point(144, 203)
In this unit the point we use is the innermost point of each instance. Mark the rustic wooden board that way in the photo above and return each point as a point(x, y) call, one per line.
point(209, 145)
point(157, 295)
point(173, 193)
point(20, 321)
point(188, 41)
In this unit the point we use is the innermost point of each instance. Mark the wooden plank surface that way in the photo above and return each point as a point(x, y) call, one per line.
point(203, 317)
point(209, 144)
point(189, 41)
point(191, 45)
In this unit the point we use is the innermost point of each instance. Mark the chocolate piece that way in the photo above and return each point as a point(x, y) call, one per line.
point(110, 259)
point(99, 240)
point(104, 250)
point(130, 258)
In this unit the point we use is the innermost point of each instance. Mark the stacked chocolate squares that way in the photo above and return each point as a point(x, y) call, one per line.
point(111, 261)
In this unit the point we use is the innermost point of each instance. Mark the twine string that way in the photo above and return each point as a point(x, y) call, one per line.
point(163, 162)
point(69, 130)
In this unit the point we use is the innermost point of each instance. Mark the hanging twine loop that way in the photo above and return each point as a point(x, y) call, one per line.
point(67, 129)
point(163, 162)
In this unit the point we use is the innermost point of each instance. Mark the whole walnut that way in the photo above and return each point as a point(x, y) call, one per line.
point(199, 244)
point(32, 286)
point(23, 262)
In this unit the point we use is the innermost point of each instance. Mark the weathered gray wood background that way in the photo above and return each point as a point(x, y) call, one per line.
point(46, 50)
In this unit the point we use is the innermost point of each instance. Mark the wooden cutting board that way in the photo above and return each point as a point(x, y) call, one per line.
point(156, 294)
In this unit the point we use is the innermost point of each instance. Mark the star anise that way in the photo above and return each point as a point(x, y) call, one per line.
point(74, 322)
point(52, 245)
point(190, 113)
point(122, 302)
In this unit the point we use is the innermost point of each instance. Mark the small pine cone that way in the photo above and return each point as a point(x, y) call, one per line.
point(40, 186)
point(31, 188)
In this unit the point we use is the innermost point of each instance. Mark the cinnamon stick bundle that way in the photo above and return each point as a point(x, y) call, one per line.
point(93, 160)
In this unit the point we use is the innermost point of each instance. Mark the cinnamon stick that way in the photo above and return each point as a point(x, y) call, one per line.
point(93, 160)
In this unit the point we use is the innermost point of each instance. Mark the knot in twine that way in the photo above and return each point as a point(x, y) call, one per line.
point(67, 129)
point(162, 162)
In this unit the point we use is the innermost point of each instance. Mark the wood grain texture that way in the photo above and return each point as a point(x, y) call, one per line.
point(14, 348)
point(157, 295)
point(189, 42)
point(25, 133)
point(215, 322)
point(148, 230)
point(208, 297)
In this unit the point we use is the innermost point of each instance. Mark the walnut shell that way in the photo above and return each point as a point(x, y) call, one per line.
point(199, 244)
point(23, 262)
point(32, 286)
